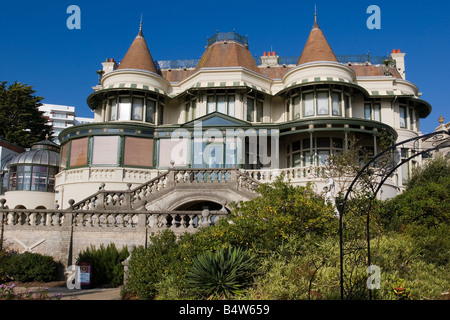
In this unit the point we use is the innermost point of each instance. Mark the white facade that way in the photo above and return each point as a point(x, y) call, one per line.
point(313, 109)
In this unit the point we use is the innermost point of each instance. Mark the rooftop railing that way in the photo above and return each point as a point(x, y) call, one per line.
point(192, 63)
point(227, 36)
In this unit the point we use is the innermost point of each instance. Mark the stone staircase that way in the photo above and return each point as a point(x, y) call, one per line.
point(173, 186)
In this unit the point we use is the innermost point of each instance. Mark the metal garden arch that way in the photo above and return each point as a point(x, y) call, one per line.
point(373, 175)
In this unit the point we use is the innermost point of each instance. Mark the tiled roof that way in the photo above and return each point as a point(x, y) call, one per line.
point(227, 54)
point(275, 72)
point(317, 48)
point(138, 56)
point(373, 71)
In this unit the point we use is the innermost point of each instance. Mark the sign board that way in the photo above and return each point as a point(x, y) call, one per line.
point(84, 274)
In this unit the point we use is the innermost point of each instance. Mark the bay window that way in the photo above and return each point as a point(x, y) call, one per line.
point(319, 103)
point(134, 107)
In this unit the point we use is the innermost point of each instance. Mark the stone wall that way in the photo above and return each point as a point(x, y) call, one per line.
point(62, 234)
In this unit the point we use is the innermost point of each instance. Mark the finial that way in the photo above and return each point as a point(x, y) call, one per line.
point(140, 34)
point(316, 25)
point(441, 120)
point(46, 136)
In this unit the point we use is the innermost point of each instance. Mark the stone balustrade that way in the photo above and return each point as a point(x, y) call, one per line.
point(154, 220)
point(24, 217)
point(293, 174)
point(137, 197)
point(63, 234)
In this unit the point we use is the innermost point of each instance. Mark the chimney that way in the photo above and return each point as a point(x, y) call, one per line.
point(399, 58)
point(109, 65)
point(269, 59)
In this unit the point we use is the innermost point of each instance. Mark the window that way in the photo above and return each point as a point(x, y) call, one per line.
point(190, 108)
point(78, 152)
point(150, 111)
point(105, 150)
point(411, 118)
point(113, 109)
point(302, 154)
point(211, 105)
point(32, 178)
point(64, 154)
point(137, 109)
point(59, 124)
point(368, 111)
point(138, 152)
point(231, 100)
point(254, 110)
point(296, 103)
point(376, 112)
point(39, 179)
point(124, 109)
point(336, 103)
point(322, 103)
point(347, 105)
point(372, 111)
point(160, 112)
point(308, 104)
point(319, 103)
point(405, 169)
point(402, 113)
point(223, 103)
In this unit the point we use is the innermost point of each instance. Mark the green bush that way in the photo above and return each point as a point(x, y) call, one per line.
point(426, 202)
point(28, 267)
point(221, 274)
point(107, 268)
point(148, 267)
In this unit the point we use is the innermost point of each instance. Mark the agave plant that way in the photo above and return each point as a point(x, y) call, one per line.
point(221, 274)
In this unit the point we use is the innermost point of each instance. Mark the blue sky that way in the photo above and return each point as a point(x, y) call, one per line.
point(38, 49)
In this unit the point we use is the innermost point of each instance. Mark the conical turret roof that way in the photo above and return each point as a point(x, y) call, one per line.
point(227, 51)
point(317, 47)
point(138, 55)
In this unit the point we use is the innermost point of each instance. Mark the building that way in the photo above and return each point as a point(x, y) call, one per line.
point(61, 117)
point(7, 152)
point(174, 142)
point(31, 175)
point(226, 114)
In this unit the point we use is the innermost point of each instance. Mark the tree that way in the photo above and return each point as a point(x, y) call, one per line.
point(22, 122)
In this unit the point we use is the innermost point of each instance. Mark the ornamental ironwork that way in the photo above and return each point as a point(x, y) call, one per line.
point(355, 208)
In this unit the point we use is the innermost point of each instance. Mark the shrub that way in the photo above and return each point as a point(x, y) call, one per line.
point(148, 267)
point(221, 274)
point(435, 171)
point(426, 201)
point(107, 268)
point(27, 267)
